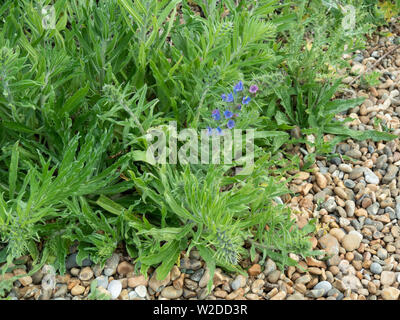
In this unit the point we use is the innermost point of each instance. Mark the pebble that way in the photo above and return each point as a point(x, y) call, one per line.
point(115, 288)
point(269, 266)
point(77, 290)
point(86, 274)
point(255, 270)
point(330, 244)
point(330, 204)
point(390, 293)
point(239, 282)
point(315, 293)
point(323, 285)
point(158, 285)
point(274, 276)
point(370, 177)
point(111, 265)
point(388, 278)
point(321, 180)
point(102, 281)
point(376, 268)
point(135, 281)
point(124, 268)
point(141, 291)
point(26, 280)
point(171, 293)
point(351, 242)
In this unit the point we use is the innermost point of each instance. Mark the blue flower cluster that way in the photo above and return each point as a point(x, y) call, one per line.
point(230, 112)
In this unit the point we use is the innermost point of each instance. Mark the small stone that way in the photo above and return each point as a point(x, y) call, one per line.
point(141, 291)
point(77, 290)
point(356, 173)
point(390, 174)
point(330, 244)
point(75, 271)
point(323, 285)
point(279, 296)
point(375, 268)
point(175, 273)
point(353, 153)
point(390, 293)
point(351, 242)
point(382, 253)
point(220, 294)
point(254, 270)
point(270, 266)
point(86, 274)
point(115, 288)
point(239, 282)
point(321, 180)
point(197, 275)
point(257, 286)
point(102, 281)
point(26, 280)
point(62, 290)
point(135, 281)
point(370, 177)
point(349, 183)
point(388, 278)
point(352, 282)
point(125, 267)
point(158, 285)
point(274, 276)
point(204, 279)
point(295, 296)
point(171, 293)
point(304, 279)
point(315, 293)
point(350, 208)
point(111, 265)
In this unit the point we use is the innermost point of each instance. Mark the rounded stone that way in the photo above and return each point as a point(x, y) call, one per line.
point(351, 242)
point(171, 293)
point(375, 268)
point(115, 288)
point(323, 285)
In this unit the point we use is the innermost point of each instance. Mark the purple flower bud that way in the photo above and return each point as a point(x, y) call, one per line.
point(253, 88)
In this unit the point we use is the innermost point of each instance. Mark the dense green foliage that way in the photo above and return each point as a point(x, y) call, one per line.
point(76, 102)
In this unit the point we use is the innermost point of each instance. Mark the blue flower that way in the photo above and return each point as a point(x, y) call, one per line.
point(246, 100)
point(219, 131)
point(230, 124)
point(229, 98)
point(216, 115)
point(209, 131)
point(228, 114)
point(238, 87)
point(223, 96)
point(239, 106)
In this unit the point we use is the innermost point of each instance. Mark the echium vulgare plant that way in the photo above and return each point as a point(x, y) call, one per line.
point(236, 100)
